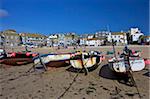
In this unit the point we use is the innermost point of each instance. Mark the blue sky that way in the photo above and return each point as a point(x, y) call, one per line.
point(81, 16)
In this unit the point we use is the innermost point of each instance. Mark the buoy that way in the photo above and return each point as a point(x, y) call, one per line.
point(28, 54)
point(147, 61)
point(34, 54)
point(13, 54)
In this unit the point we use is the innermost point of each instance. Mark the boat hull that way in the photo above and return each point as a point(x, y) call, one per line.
point(53, 60)
point(57, 64)
point(16, 61)
point(137, 64)
point(86, 62)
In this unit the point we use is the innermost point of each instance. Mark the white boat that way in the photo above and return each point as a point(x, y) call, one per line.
point(53, 60)
point(120, 66)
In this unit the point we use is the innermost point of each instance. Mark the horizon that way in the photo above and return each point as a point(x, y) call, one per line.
point(49, 17)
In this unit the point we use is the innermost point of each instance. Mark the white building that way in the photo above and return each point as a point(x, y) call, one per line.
point(51, 39)
point(134, 31)
point(95, 42)
point(102, 34)
point(135, 34)
point(119, 37)
point(83, 41)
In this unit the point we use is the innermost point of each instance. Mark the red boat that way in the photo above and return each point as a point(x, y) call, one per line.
point(18, 58)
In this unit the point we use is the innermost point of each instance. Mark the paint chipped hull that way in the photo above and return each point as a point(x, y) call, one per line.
point(53, 60)
point(137, 64)
point(86, 62)
point(18, 58)
point(16, 61)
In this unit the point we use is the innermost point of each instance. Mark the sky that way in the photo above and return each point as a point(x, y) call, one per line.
point(80, 16)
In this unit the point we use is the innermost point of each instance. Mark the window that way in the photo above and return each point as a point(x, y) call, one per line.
point(11, 37)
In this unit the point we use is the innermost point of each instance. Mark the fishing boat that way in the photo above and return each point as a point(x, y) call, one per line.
point(53, 60)
point(120, 65)
point(18, 58)
point(127, 61)
point(86, 60)
point(65, 59)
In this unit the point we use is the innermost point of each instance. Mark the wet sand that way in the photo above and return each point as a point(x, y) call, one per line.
point(101, 83)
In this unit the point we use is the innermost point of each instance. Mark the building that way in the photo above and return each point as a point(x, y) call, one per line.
point(119, 37)
point(33, 38)
point(2, 39)
point(59, 39)
point(52, 40)
point(100, 34)
point(11, 38)
point(70, 39)
point(135, 34)
point(147, 40)
point(83, 41)
point(95, 41)
point(134, 31)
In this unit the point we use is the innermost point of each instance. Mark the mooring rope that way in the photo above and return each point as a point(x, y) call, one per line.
point(73, 80)
point(24, 74)
point(70, 85)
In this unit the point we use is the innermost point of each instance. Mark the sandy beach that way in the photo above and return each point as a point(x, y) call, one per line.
point(100, 83)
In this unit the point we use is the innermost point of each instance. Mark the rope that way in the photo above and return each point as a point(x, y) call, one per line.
point(70, 85)
point(24, 74)
point(73, 80)
point(135, 85)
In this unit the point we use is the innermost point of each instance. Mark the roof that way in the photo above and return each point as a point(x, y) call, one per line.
point(146, 36)
point(96, 39)
point(31, 35)
point(118, 33)
point(10, 32)
point(7, 33)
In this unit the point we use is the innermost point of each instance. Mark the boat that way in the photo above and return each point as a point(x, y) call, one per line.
point(53, 59)
point(127, 61)
point(66, 59)
point(18, 58)
point(120, 66)
point(86, 60)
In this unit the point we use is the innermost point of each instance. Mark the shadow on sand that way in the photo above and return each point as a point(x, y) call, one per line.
point(147, 74)
point(107, 73)
point(75, 70)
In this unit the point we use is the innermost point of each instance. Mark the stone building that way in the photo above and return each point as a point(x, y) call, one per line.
point(11, 38)
point(33, 38)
